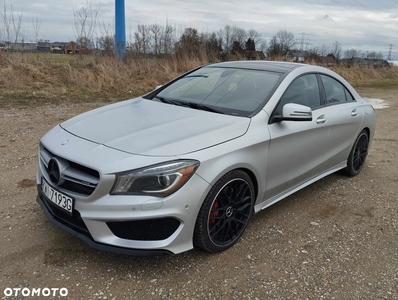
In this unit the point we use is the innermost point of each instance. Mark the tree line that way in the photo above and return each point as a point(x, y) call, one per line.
point(156, 40)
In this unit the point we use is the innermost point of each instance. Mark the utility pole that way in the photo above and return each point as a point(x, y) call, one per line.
point(389, 53)
point(304, 41)
point(120, 32)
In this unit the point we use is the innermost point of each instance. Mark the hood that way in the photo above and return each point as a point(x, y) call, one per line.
point(146, 127)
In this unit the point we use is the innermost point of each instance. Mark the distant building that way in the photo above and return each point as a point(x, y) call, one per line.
point(364, 62)
point(297, 56)
point(326, 61)
point(58, 47)
point(22, 46)
point(43, 47)
point(254, 55)
point(74, 48)
point(378, 63)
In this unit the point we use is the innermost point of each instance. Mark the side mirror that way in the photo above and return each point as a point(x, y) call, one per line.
point(158, 86)
point(295, 112)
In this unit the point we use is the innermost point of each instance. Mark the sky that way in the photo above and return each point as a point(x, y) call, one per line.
point(366, 25)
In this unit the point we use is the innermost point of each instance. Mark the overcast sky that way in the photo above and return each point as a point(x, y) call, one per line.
point(362, 24)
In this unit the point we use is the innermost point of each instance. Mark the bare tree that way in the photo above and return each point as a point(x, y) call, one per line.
point(281, 43)
point(130, 42)
point(106, 41)
point(225, 35)
point(347, 54)
point(85, 23)
point(263, 46)
point(7, 22)
point(142, 39)
point(108, 28)
point(167, 40)
point(274, 48)
point(323, 50)
point(156, 31)
point(286, 41)
point(379, 55)
point(16, 24)
point(238, 35)
point(335, 49)
point(189, 43)
point(23, 36)
point(36, 24)
point(212, 46)
point(12, 22)
point(371, 55)
point(352, 53)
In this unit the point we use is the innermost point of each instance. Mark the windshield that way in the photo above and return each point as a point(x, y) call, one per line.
point(231, 91)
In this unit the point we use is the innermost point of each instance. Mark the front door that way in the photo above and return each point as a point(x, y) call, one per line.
point(297, 148)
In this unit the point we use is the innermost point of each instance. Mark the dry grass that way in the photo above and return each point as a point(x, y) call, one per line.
point(31, 78)
point(384, 78)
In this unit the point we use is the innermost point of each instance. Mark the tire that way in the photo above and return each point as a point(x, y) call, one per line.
point(359, 151)
point(225, 212)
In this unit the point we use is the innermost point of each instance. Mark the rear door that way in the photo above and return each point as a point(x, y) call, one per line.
point(345, 119)
point(297, 149)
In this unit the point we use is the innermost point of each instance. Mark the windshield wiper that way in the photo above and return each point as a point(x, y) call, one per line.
point(203, 107)
point(168, 101)
point(189, 104)
point(191, 76)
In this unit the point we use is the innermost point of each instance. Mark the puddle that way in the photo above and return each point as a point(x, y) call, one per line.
point(377, 103)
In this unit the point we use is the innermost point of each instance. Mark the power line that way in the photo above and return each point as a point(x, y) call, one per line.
point(361, 15)
point(377, 34)
point(373, 11)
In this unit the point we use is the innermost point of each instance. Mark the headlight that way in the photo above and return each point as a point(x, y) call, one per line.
point(158, 180)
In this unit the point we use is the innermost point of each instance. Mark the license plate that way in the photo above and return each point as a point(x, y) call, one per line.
point(61, 200)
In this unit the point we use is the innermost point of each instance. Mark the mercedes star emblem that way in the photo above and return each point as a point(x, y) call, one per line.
point(54, 171)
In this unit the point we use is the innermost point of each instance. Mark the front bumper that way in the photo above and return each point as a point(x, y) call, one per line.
point(82, 233)
point(95, 220)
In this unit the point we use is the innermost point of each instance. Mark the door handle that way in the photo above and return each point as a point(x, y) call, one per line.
point(321, 119)
point(354, 113)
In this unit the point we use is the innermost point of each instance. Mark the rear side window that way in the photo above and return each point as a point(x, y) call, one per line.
point(335, 91)
point(348, 96)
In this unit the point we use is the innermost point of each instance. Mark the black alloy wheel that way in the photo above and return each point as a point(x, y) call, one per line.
point(359, 151)
point(225, 212)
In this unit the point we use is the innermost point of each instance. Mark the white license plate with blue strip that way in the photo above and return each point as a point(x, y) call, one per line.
point(60, 199)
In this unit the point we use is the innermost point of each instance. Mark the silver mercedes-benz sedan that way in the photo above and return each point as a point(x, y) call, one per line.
point(188, 164)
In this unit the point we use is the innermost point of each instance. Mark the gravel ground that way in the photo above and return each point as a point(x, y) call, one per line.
point(336, 239)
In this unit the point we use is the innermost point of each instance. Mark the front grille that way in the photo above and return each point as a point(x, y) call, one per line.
point(145, 230)
point(77, 188)
point(75, 177)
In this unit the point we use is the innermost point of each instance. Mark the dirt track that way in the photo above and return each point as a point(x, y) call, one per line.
point(336, 239)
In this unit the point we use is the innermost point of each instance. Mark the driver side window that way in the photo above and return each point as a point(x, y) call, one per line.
point(303, 90)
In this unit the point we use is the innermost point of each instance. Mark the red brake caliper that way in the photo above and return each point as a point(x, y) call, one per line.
point(214, 213)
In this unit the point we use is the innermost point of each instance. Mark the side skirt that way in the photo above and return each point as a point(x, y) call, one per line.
point(275, 199)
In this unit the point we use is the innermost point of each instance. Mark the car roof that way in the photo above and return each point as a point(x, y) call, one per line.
point(273, 66)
